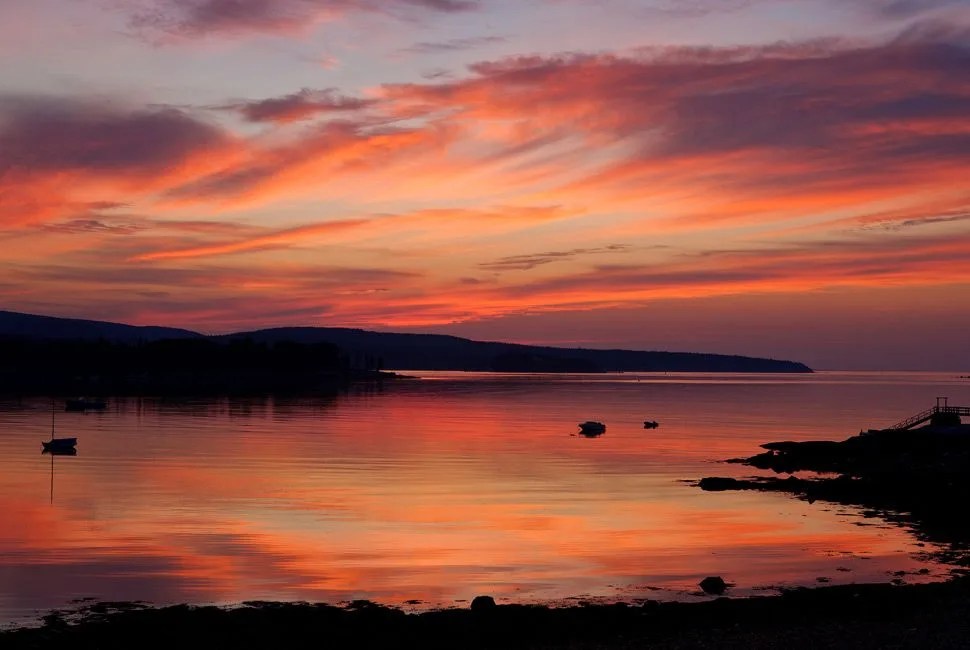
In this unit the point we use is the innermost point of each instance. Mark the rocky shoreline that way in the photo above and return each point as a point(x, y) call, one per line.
point(862, 616)
point(918, 478)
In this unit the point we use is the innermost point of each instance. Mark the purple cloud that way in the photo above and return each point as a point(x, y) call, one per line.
point(297, 106)
point(454, 45)
point(55, 135)
point(200, 17)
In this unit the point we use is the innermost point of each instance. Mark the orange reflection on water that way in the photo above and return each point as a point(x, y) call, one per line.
point(415, 493)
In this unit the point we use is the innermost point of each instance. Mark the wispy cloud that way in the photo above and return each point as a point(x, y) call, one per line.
point(435, 225)
point(696, 8)
point(528, 262)
point(716, 146)
point(320, 154)
point(301, 105)
point(192, 18)
point(264, 241)
point(746, 123)
point(795, 267)
point(896, 223)
point(86, 226)
point(454, 44)
point(909, 8)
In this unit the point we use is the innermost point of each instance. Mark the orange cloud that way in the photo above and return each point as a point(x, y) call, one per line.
point(460, 193)
point(281, 237)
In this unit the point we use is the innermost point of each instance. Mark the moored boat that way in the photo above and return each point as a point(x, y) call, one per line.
point(55, 445)
point(67, 451)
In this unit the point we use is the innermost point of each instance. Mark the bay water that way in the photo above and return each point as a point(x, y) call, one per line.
point(426, 492)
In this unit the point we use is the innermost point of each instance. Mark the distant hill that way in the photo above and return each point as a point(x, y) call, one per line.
point(13, 324)
point(386, 350)
point(441, 352)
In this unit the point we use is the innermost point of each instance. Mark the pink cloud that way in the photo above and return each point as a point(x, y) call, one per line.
point(696, 143)
point(750, 131)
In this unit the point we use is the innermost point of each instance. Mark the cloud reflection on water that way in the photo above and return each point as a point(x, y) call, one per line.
point(427, 491)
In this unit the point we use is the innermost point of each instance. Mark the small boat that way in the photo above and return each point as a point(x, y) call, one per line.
point(59, 445)
point(650, 424)
point(67, 451)
point(85, 404)
point(591, 428)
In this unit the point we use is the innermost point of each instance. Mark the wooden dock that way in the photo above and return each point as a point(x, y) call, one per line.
point(942, 407)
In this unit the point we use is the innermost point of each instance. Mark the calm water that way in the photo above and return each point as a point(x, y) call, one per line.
point(439, 489)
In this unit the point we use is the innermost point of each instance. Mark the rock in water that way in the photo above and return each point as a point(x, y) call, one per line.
point(718, 484)
point(483, 603)
point(713, 585)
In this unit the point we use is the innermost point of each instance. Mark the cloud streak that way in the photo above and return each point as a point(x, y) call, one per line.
point(302, 105)
point(528, 262)
point(193, 18)
point(885, 261)
point(821, 164)
point(280, 238)
point(453, 45)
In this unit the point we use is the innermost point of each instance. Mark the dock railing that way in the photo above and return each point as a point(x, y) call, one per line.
point(923, 416)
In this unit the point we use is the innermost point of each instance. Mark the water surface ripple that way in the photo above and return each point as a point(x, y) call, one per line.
point(439, 489)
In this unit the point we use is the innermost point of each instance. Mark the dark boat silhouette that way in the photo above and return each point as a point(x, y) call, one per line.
point(56, 445)
point(650, 424)
point(67, 451)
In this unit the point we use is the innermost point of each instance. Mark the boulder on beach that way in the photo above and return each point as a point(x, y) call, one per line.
point(713, 585)
point(483, 603)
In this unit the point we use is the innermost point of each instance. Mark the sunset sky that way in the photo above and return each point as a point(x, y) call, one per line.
point(786, 179)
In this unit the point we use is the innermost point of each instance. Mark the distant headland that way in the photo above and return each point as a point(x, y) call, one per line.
point(45, 352)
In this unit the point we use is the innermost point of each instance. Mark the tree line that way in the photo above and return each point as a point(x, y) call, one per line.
point(166, 365)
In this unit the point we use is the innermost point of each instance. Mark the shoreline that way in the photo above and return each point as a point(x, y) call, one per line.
point(918, 478)
point(863, 615)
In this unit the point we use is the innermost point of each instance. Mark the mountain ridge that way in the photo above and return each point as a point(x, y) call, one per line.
point(406, 351)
